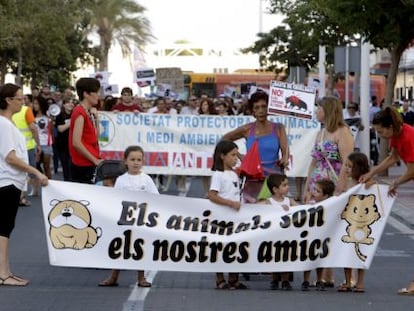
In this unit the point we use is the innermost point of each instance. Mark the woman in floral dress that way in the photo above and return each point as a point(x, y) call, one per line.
point(333, 144)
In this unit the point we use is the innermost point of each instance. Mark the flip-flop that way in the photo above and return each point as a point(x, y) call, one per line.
point(405, 292)
point(3, 282)
point(108, 283)
point(24, 202)
point(344, 289)
point(359, 290)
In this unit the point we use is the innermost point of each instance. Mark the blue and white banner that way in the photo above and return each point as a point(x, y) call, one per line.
point(184, 144)
point(95, 226)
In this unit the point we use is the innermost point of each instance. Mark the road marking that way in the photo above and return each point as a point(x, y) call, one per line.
point(135, 301)
point(390, 253)
point(398, 225)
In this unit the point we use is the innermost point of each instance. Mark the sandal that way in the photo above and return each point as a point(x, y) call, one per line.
point(320, 286)
point(274, 285)
point(359, 290)
point(222, 285)
point(344, 289)
point(286, 285)
point(305, 286)
point(144, 283)
point(13, 280)
point(405, 292)
point(108, 283)
point(24, 202)
point(237, 285)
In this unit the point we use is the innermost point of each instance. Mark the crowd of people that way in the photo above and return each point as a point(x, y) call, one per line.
point(35, 139)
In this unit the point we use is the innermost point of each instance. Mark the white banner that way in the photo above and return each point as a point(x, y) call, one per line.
point(93, 226)
point(184, 144)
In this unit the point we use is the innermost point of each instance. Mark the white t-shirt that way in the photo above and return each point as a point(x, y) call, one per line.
point(140, 182)
point(11, 139)
point(43, 128)
point(354, 129)
point(273, 202)
point(189, 110)
point(227, 184)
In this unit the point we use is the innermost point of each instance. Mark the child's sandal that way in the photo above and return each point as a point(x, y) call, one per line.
point(237, 285)
point(222, 285)
point(344, 288)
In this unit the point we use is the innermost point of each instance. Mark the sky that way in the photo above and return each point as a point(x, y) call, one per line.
point(212, 21)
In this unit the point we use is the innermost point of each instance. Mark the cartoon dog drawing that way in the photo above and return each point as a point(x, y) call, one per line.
point(360, 212)
point(293, 102)
point(70, 225)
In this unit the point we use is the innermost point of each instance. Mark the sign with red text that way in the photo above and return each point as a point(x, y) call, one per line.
point(295, 100)
point(184, 144)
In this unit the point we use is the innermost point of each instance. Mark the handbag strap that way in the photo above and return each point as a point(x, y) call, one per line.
point(326, 159)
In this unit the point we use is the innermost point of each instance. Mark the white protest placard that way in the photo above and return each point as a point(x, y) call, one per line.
point(145, 76)
point(172, 76)
point(100, 227)
point(290, 99)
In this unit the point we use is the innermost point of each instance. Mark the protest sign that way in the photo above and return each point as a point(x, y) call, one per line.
point(94, 226)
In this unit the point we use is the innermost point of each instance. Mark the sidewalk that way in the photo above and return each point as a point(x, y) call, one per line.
point(403, 207)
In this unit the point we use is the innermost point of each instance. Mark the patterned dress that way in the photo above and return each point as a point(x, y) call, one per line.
point(328, 161)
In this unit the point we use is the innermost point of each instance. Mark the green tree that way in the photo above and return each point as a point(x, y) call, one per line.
point(296, 41)
point(385, 24)
point(39, 43)
point(120, 21)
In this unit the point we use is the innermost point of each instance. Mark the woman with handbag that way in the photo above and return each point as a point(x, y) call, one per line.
point(268, 138)
point(333, 144)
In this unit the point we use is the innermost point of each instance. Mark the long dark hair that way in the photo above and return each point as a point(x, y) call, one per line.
point(360, 164)
point(389, 117)
point(223, 147)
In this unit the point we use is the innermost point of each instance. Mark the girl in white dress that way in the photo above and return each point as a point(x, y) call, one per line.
point(225, 190)
point(134, 180)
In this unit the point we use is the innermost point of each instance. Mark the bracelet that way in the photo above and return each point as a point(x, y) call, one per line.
point(394, 183)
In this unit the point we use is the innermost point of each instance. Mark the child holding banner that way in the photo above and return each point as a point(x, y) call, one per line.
point(225, 190)
point(356, 165)
point(322, 190)
point(134, 180)
point(278, 185)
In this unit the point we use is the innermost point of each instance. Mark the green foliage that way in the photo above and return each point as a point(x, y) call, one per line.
point(309, 23)
point(120, 21)
point(43, 40)
point(296, 41)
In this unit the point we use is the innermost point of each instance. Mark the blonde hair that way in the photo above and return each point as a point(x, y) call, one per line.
point(334, 118)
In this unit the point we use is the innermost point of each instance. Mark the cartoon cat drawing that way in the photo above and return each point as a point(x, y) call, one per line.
point(360, 212)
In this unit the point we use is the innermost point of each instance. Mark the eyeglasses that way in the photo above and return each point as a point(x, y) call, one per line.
point(351, 107)
point(18, 97)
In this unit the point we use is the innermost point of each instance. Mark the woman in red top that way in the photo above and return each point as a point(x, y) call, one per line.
point(83, 132)
point(389, 125)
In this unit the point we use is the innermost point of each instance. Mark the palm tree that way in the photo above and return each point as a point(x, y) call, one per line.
point(120, 21)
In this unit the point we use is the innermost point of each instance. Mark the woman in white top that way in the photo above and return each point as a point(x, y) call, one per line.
point(13, 173)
